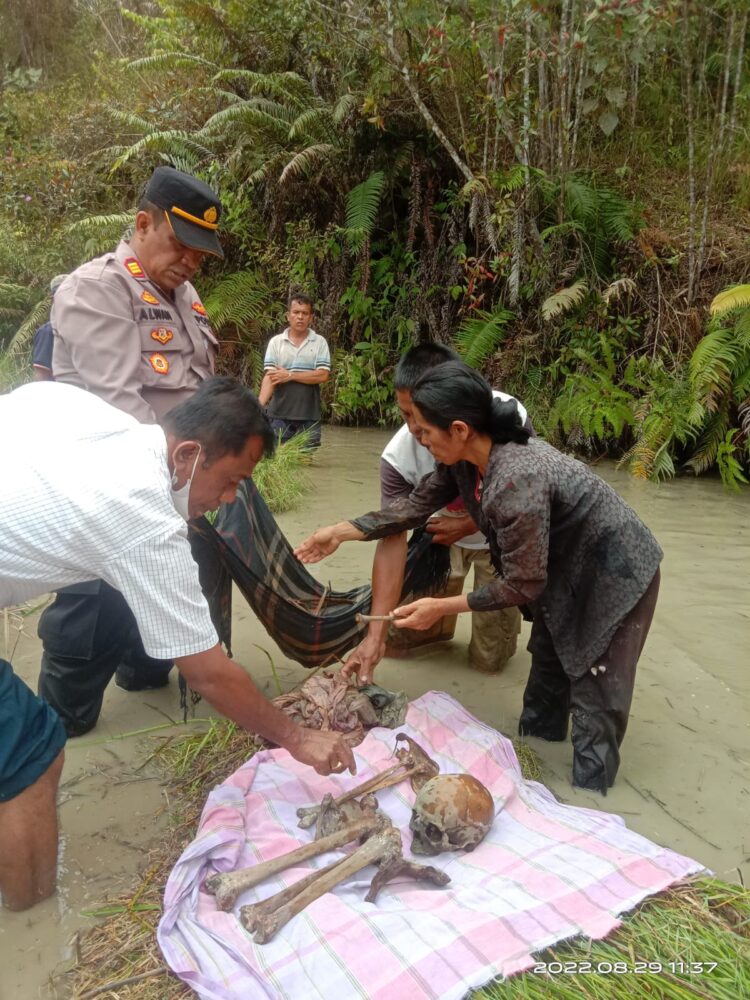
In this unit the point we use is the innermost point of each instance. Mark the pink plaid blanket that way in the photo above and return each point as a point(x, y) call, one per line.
point(545, 872)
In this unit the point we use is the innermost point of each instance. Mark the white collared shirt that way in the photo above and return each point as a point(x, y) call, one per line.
point(85, 494)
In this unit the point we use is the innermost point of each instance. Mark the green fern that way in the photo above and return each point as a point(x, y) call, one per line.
point(737, 297)
point(39, 314)
point(239, 299)
point(564, 300)
point(362, 205)
point(170, 60)
point(302, 164)
point(479, 337)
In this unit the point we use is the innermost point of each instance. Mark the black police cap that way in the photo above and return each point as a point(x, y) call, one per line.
point(191, 207)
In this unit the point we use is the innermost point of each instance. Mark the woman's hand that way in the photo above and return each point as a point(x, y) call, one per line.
point(320, 544)
point(421, 614)
point(325, 541)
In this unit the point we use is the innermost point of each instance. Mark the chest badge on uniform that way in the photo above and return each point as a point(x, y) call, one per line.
point(151, 299)
point(134, 267)
point(162, 334)
point(199, 308)
point(159, 363)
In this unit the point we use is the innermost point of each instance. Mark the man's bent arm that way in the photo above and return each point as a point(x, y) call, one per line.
point(227, 687)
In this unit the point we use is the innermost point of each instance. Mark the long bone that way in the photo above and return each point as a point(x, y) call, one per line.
point(265, 918)
point(382, 847)
point(227, 886)
point(413, 763)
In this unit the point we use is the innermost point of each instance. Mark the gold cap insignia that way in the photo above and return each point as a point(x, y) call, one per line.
point(210, 215)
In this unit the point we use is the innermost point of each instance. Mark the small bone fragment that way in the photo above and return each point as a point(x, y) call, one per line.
point(227, 886)
point(383, 846)
point(413, 763)
point(373, 618)
point(333, 817)
point(398, 867)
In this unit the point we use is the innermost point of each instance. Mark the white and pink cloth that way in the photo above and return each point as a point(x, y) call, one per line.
point(544, 873)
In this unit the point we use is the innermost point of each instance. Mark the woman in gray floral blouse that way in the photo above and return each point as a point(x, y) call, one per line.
point(566, 547)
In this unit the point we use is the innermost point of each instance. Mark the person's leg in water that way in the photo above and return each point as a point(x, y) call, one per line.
point(87, 633)
point(494, 634)
point(601, 698)
point(546, 699)
point(31, 760)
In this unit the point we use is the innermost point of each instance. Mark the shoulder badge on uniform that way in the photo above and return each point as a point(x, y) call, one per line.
point(162, 334)
point(199, 308)
point(151, 299)
point(159, 363)
point(134, 267)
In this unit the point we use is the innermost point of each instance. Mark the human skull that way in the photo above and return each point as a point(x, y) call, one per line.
point(452, 812)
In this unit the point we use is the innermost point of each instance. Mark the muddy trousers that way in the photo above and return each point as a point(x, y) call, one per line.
point(598, 703)
point(494, 634)
point(89, 634)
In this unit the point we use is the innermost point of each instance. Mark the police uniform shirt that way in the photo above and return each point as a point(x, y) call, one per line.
point(296, 400)
point(86, 495)
point(118, 335)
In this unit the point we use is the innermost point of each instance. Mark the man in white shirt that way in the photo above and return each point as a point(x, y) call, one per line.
point(89, 493)
point(403, 464)
point(296, 363)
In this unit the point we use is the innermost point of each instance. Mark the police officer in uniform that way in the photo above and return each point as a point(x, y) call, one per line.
point(130, 327)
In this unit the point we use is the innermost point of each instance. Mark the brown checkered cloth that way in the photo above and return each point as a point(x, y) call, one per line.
point(312, 624)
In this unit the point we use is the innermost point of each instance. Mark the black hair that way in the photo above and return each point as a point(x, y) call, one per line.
point(304, 300)
point(453, 391)
point(417, 361)
point(156, 213)
point(222, 415)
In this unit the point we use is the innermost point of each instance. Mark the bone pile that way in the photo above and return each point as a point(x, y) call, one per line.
point(355, 817)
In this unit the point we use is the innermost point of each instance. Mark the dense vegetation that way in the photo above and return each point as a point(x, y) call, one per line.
point(558, 188)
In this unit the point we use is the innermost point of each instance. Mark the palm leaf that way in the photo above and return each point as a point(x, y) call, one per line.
point(564, 300)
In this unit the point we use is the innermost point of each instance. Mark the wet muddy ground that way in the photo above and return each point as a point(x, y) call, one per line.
point(685, 775)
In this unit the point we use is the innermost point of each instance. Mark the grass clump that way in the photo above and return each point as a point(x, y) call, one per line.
point(280, 479)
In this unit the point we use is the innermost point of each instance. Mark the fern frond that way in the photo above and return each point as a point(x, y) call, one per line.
point(129, 120)
point(564, 300)
point(272, 120)
point(707, 445)
point(39, 314)
point(239, 298)
point(737, 297)
point(306, 161)
point(314, 121)
point(172, 142)
point(478, 338)
point(289, 87)
point(170, 60)
point(508, 181)
point(362, 205)
point(623, 286)
point(711, 365)
point(343, 108)
point(95, 225)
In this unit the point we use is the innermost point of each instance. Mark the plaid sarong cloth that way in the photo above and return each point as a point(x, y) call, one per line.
point(311, 624)
point(545, 872)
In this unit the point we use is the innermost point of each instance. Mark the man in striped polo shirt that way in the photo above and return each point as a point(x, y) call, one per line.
point(296, 364)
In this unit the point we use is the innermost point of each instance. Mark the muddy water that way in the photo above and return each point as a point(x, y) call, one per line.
point(685, 774)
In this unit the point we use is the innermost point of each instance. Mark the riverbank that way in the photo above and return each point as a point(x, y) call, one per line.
point(684, 780)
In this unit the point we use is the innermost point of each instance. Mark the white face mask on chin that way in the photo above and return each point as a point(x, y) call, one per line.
point(181, 496)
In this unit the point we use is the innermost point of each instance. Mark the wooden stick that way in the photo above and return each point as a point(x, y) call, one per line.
point(373, 618)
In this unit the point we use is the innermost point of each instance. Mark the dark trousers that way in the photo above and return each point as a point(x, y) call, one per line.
point(599, 704)
point(89, 634)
